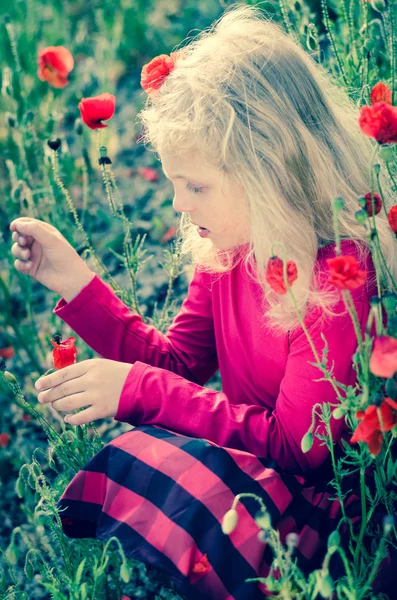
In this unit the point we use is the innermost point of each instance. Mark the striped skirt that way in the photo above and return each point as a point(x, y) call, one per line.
point(163, 495)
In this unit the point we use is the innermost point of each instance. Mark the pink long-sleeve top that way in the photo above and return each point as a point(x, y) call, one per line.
point(268, 385)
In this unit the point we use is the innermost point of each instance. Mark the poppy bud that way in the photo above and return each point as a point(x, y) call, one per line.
point(10, 377)
point(20, 487)
point(12, 555)
point(391, 388)
point(54, 144)
point(229, 521)
point(376, 168)
point(11, 120)
point(7, 19)
point(125, 572)
point(307, 442)
point(337, 413)
point(378, 5)
point(361, 216)
point(374, 300)
point(334, 540)
point(386, 152)
point(388, 524)
point(262, 536)
point(292, 539)
point(377, 399)
point(325, 584)
point(78, 127)
point(369, 44)
point(389, 301)
point(262, 519)
point(339, 203)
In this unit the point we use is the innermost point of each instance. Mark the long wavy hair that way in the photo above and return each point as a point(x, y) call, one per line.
point(260, 109)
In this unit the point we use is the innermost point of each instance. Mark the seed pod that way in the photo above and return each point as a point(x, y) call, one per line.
point(20, 487)
point(12, 554)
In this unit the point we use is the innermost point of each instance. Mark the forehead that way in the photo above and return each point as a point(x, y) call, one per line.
point(188, 165)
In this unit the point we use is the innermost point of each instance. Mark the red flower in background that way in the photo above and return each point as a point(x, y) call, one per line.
point(55, 64)
point(4, 440)
point(377, 203)
point(275, 277)
point(392, 218)
point(344, 272)
point(370, 430)
point(380, 119)
point(148, 173)
point(7, 352)
point(381, 93)
point(202, 566)
point(64, 353)
point(97, 109)
point(383, 361)
point(154, 72)
point(169, 234)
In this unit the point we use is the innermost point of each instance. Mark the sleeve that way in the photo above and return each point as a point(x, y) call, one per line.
point(153, 396)
point(110, 328)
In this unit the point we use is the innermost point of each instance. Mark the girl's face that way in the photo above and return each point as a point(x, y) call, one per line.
point(199, 192)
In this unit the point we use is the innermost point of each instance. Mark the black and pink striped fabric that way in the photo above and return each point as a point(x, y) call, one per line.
point(164, 496)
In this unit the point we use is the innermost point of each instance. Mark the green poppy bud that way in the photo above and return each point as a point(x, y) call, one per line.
point(369, 44)
point(262, 519)
point(391, 388)
point(362, 201)
point(379, 5)
point(20, 487)
point(229, 521)
point(78, 126)
point(10, 377)
point(334, 540)
point(389, 301)
point(12, 555)
point(125, 573)
point(361, 216)
point(376, 168)
point(339, 203)
point(307, 442)
point(338, 413)
point(325, 584)
point(386, 152)
point(388, 524)
point(29, 570)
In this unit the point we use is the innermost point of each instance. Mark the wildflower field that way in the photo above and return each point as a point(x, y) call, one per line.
point(71, 155)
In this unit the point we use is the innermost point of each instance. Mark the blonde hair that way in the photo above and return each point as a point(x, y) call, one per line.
point(259, 109)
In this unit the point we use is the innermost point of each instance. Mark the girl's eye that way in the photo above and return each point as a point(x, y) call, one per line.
point(193, 189)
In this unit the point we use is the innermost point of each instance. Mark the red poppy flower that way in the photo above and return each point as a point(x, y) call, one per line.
point(148, 173)
point(392, 218)
point(64, 353)
point(381, 93)
point(275, 277)
point(55, 64)
point(379, 121)
point(169, 235)
point(154, 72)
point(370, 430)
point(202, 566)
point(97, 109)
point(7, 352)
point(4, 440)
point(377, 203)
point(344, 272)
point(383, 361)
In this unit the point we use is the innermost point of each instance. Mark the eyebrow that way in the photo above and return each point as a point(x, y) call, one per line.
point(186, 177)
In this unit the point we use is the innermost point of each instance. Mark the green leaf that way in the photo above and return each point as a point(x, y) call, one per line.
point(79, 572)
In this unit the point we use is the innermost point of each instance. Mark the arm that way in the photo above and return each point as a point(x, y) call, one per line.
point(153, 396)
point(108, 326)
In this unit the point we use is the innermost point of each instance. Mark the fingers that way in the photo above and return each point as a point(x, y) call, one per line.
point(84, 416)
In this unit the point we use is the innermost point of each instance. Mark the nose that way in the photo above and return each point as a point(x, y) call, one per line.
point(182, 205)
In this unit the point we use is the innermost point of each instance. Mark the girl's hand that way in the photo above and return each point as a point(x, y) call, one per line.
point(95, 383)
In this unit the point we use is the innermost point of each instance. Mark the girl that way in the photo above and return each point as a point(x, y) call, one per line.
point(257, 143)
